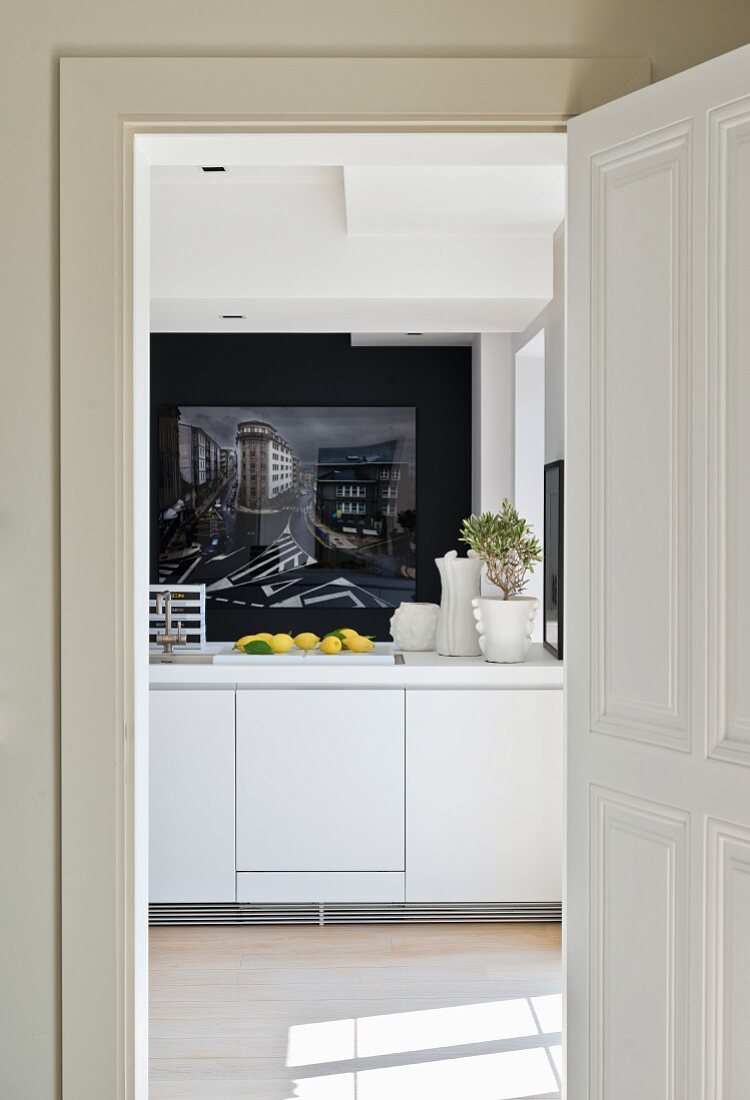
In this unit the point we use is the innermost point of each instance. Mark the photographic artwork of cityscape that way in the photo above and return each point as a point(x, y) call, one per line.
point(289, 507)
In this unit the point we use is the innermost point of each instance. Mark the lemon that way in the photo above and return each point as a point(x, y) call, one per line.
point(281, 643)
point(242, 642)
point(331, 644)
point(360, 645)
point(306, 641)
point(348, 632)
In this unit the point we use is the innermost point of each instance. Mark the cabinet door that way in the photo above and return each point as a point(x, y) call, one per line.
point(484, 796)
point(191, 796)
point(320, 780)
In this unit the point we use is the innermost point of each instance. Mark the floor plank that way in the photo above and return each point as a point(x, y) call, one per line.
point(355, 1012)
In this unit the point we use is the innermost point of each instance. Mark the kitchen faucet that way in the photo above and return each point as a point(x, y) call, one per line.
point(167, 639)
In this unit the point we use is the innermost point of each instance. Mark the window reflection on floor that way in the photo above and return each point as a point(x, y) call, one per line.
point(433, 1053)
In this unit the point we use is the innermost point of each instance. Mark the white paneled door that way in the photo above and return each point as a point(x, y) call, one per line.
point(658, 596)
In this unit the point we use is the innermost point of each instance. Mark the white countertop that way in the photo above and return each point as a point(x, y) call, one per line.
point(419, 670)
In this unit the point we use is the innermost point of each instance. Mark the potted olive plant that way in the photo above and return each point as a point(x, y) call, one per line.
point(509, 549)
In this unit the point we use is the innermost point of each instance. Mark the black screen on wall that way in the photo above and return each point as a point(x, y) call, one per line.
point(308, 483)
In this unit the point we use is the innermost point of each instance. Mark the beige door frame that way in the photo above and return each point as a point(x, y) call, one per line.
point(105, 104)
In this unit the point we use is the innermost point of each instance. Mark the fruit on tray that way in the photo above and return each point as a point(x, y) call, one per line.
point(265, 643)
point(360, 644)
point(346, 636)
point(333, 642)
point(247, 638)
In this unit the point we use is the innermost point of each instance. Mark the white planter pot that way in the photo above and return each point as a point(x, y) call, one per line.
point(414, 626)
point(460, 577)
point(505, 627)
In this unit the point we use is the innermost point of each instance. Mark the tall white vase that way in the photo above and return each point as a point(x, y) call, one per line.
point(460, 578)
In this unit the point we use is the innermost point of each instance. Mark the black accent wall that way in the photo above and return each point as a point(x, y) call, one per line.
point(314, 369)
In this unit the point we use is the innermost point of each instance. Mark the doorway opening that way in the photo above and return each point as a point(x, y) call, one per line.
point(361, 851)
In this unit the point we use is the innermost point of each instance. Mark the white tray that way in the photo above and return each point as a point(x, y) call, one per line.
point(382, 654)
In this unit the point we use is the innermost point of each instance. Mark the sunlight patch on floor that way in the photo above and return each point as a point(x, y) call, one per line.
point(548, 1011)
point(328, 1041)
point(528, 1071)
point(397, 1032)
point(337, 1086)
point(444, 1027)
point(506, 1076)
point(512, 1073)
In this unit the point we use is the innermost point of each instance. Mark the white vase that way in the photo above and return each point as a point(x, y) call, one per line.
point(460, 577)
point(505, 627)
point(414, 626)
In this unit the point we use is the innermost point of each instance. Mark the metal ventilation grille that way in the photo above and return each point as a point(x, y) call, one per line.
point(339, 913)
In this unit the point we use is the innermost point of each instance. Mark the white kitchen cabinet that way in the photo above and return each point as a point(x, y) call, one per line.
point(300, 794)
point(191, 796)
point(484, 796)
point(320, 783)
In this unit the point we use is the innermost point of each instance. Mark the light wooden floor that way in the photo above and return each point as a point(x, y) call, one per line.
point(419, 1012)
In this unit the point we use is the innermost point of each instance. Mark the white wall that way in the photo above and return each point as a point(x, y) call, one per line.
point(550, 327)
point(529, 451)
point(35, 34)
point(493, 425)
point(493, 420)
point(552, 322)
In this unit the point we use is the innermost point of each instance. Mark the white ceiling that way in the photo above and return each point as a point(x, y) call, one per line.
point(398, 232)
point(454, 199)
point(353, 315)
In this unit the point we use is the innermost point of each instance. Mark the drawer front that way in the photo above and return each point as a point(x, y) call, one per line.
point(320, 887)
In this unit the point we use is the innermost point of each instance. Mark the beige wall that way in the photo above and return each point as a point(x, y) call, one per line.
point(34, 34)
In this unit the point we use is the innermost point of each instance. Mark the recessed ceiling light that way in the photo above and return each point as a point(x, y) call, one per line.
point(212, 168)
point(232, 316)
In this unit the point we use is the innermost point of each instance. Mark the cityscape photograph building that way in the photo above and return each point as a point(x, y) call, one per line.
point(357, 489)
point(268, 467)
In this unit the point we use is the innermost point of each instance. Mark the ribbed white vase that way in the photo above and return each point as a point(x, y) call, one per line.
point(505, 627)
point(460, 577)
